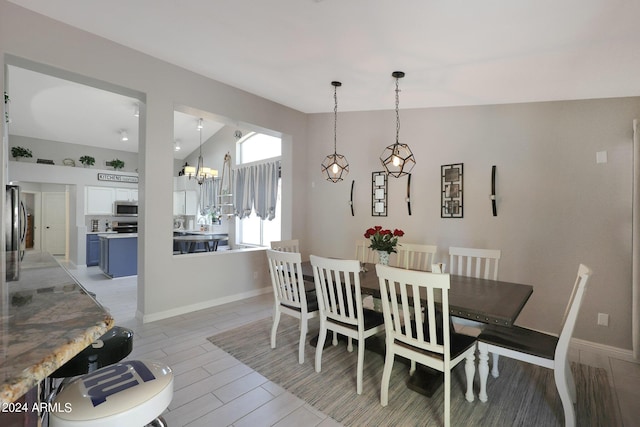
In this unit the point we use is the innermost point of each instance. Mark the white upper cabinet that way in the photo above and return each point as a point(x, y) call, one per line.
point(99, 200)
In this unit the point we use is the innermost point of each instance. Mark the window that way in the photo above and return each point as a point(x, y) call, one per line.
point(252, 230)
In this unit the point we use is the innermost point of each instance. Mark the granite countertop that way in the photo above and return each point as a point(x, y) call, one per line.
point(46, 319)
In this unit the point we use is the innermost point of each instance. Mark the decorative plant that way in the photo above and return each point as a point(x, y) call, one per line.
point(18, 152)
point(383, 240)
point(87, 160)
point(117, 164)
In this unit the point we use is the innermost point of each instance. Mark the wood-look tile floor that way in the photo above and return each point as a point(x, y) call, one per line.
point(213, 388)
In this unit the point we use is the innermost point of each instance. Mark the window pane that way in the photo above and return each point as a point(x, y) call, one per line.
point(251, 230)
point(259, 147)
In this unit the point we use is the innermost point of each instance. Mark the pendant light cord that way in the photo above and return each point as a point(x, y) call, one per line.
point(397, 113)
point(335, 119)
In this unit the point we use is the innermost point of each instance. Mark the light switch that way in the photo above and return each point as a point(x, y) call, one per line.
point(601, 157)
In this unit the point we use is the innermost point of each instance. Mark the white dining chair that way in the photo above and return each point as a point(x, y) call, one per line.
point(479, 263)
point(538, 348)
point(340, 303)
point(364, 253)
point(289, 293)
point(415, 256)
point(292, 245)
point(427, 339)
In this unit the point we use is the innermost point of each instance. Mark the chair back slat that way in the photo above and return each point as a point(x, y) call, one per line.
point(471, 262)
point(427, 294)
point(571, 312)
point(416, 256)
point(338, 289)
point(286, 245)
point(285, 269)
point(364, 253)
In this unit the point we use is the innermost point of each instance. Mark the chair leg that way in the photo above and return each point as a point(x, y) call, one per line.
point(274, 328)
point(412, 369)
point(350, 344)
point(470, 371)
point(386, 376)
point(335, 339)
point(360, 364)
point(321, 338)
point(483, 370)
point(495, 372)
point(447, 398)
point(570, 382)
point(562, 385)
point(303, 338)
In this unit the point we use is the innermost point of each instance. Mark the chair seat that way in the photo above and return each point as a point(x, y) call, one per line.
point(127, 394)
point(520, 339)
point(458, 343)
point(312, 302)
point(110, 348)
point(371, 319)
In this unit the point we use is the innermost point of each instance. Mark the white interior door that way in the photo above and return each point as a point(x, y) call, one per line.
point(54, 223)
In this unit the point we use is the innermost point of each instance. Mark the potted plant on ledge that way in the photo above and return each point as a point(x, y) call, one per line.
point(18, 152)
point(87, 161)
point(117, 164)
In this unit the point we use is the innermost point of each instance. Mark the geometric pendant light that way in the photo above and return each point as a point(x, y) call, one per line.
point(397, 159)
point(335, 165)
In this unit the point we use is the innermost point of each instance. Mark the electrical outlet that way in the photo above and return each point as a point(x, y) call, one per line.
point(603, 319)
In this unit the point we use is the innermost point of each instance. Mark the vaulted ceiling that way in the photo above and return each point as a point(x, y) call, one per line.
point(453, 52)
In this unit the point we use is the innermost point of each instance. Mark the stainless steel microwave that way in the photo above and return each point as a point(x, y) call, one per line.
point(125, 208)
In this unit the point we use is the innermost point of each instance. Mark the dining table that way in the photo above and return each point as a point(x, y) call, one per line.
point(484, 300)
point(188, 242)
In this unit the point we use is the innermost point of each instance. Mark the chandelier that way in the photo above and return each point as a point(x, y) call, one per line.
point(200, 172)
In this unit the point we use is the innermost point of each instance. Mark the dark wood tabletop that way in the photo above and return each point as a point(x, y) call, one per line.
point(483, 300)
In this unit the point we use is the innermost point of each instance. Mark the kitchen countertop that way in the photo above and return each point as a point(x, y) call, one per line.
point(46, 319)
point(118, 235)
point(101, 232)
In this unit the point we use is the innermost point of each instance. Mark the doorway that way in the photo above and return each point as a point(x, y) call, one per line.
point(54, 223)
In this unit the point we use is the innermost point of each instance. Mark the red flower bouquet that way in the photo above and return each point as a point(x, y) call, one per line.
point(383, 240)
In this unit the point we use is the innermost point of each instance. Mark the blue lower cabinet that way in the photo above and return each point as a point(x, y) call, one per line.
point(119, 256)
point(93, 250)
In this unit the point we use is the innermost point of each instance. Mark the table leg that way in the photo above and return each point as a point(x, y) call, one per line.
point(483, 370)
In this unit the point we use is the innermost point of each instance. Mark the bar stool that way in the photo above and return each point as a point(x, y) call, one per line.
point(127, 394)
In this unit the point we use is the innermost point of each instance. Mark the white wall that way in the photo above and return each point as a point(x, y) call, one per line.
point(162, 277)
point(556, 206)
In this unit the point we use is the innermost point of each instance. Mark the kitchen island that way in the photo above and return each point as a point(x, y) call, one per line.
point(119, 254)
point(47, 318)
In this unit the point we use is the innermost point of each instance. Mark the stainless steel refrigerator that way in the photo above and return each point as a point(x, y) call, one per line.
point(15, 226)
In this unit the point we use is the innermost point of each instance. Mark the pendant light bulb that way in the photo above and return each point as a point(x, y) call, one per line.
point(335, 166)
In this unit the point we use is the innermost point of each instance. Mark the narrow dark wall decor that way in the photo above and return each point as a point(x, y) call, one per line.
point(379, 193)
point(451, 190)
point(409, 193)
point(353, 183)
point(493, 190)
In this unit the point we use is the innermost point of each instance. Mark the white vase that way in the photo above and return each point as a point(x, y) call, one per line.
point(383, 257)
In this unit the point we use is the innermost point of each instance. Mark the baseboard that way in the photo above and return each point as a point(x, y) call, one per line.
point(146, 318)
point(602, 349)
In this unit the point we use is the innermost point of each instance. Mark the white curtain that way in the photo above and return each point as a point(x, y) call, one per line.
point(635, 258)
point(208, 195)
point(255, 187)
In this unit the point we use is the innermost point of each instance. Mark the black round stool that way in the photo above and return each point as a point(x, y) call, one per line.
point(110, 348)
